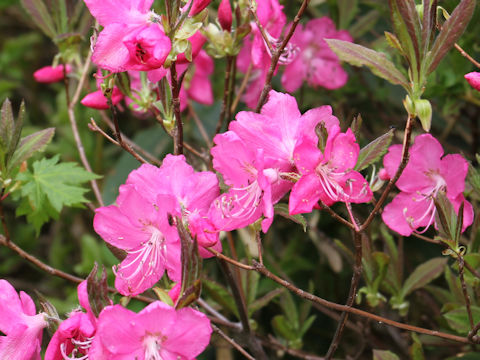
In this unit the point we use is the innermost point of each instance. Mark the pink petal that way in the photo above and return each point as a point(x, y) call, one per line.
point(225, 15)
point(307, 156)
point(468, 214)
point(356, 188)
point(198, 5)
point(305, 194)
point(125, 12)
point(110, 53)
point(96, 99)
point(345, 151)
point(190, 335)
point(454, 169)
point(473, 79)
point(119, 334)
point(294, 75)
point(157, 318)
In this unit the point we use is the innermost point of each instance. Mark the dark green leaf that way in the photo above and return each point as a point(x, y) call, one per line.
point(458, 319)
point(374, 150)
point(306, 325)
point(29, 145)
point(356, 125)
point(424, 274)
point(97, 289)
point(451, 31)
point(263, 301)
point(346, 11)
point(409, 15)
point(416, 349)
point(428, 22)
point(402, 33)
point(283, 328)
point(282, 210)
point(220, 295)
point(40, 16)
point(7, 125)
point(384, 355)
point(16, 131)
point(378, 63)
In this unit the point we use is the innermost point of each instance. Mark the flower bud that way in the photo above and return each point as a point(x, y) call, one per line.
point(225, 15)
point(473, 79)
point(198, 5)
point(50, 74)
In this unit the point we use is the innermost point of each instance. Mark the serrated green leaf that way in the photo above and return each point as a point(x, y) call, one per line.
point(40, 16)
point(451, 31)
point(378, 63)
point(424, 274)
point(374, 150)
point(282, 210)
point(29, 145)
point(458, 319)
point(384, 355)
point(263, 301)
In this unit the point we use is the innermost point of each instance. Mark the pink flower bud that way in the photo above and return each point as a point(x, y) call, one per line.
point(96, 99)
point(225, 15)
point(50, 74)
point(198, 5)
point(383, 175)
point(473, 79)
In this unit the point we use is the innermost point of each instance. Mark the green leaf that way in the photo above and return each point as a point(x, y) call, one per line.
point(263, 301)
point(306, 325)
point(29, 145)
point(424, 274)
point(378, 63)
point(284, 328)
point(458, 319)
point(40, 16)
point(221, 295)
point(16, 131)
point(346, 11)
point(384, 355)
point(473, 178)
point(406, 15)
point(49, 187)
point(423, 108)
point(374, 150)
point(7, 125)
point(451, 31)
point(429, 22)
point(416, 350)
point(282, 210)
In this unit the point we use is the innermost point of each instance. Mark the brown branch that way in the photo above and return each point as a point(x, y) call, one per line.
point(178, 136)
point(232, 342)
point(226, 94)
point(338, 307)
point(461, 264)
point(73, 124)
point(401, 167)
point(230, 260)
point(276, 56)
point(468, 57)
point(336, 216)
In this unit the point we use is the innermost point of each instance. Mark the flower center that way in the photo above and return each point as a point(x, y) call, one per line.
point(80, 347)
point(152, 344)
point(241, 202)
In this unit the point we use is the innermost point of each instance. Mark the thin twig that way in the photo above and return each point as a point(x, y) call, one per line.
point(357, 272)
point(73, 123)
point(199, 124)
point(338, 307)
point(464, 54)
point(336, 216)
point(401, 167)
point(178, 136)
point(276, 56)
point(242, 88)
point(232, 342)
point(226, 95)
point(461, 264)
point(253, 11)
point(230, 260)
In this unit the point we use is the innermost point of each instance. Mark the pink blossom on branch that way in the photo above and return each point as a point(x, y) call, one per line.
point(315, 63)
point(51, 74)
point(130, 39)
point(21, 326)
point(328, 176)
point(141, 228)
point(157, 332)
point(426, 173)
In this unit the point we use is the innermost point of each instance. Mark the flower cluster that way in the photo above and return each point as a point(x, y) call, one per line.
point(159, 331)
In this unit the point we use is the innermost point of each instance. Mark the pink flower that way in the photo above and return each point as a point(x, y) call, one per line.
point(130, 40)
point(198, 5)
point(250, 193)
point(473, 79)
point(50, 74)
point(20, 324)
point(315, 62)
point(193, 193)
point(328, 175)
point(225, 15)
point(75, 334)
point(256, 52)
point(156, 332)
point(425, 175)
point(141, 227)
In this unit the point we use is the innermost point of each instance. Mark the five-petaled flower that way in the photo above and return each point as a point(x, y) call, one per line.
point(426, 174)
